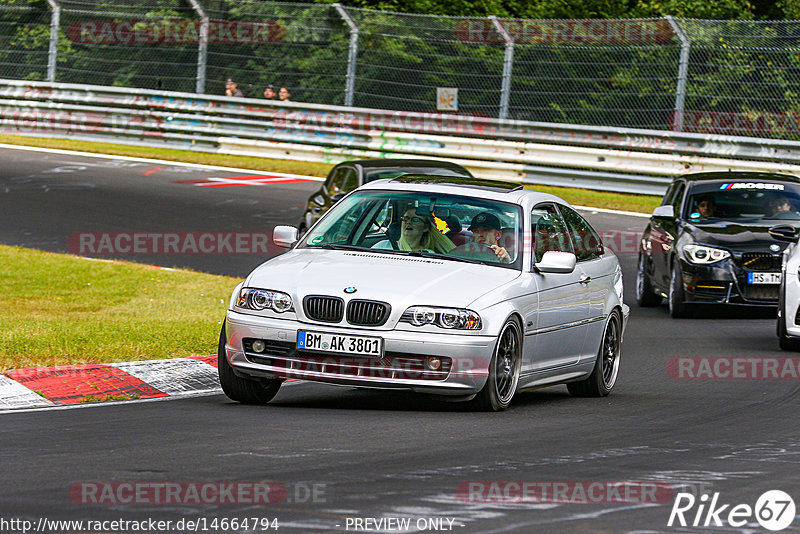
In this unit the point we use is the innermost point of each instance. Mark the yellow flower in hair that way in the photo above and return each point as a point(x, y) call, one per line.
point(441, 225)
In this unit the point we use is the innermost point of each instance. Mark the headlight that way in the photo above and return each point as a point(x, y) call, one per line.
point(264, 299)
point(704, 255)
point(452, 318)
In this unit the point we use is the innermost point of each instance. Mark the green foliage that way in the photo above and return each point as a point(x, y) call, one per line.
point(695, 9)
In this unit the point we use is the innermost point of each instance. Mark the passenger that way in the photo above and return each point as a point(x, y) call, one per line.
point(487, 230)
point(706, 207)
point(419, 232)
point(780, 204)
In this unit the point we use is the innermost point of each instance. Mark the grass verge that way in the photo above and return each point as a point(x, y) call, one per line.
point(57, 309)
point(581, 197)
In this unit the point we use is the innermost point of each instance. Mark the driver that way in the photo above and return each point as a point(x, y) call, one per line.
point(486, 229)
point(418, 232)
point(706, 207)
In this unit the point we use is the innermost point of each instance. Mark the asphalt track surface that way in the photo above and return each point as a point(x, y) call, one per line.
point(373, 454)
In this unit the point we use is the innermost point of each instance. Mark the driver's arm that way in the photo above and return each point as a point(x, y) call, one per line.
point(502, 253)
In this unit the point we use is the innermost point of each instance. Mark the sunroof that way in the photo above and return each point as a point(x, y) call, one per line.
point(459, 181)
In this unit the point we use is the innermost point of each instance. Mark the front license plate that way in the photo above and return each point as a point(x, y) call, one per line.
point(764, 278)
point(363, 345)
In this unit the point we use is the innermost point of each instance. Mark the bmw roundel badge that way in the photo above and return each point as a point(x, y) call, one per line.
point(774, 247)
point(350, 290)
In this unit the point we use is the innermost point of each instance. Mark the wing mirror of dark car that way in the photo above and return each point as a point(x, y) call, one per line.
point(664, 212)
point(554, 261)
point(338, 196)
point(784, 232)
point(284, 236)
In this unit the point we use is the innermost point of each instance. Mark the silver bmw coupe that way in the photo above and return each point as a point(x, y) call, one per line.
point(460, 288)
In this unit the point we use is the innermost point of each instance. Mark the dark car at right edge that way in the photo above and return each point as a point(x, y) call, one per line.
point(709, 243)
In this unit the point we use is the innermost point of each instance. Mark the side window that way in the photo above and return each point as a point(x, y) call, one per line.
point(549, 231)
point(667, 200)
point(676, 201)
point(335, 182)
point(586, 241)
point(349, 180)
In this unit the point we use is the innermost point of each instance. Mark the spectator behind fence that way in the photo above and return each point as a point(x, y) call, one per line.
point(232, 89)
point(269, 92)
point(284, 95)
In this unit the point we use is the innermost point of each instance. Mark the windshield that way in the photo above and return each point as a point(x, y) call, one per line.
point(743, 201)
point(394, 172)
point(448, 227)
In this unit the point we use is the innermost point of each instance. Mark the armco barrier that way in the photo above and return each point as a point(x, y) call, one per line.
point(613, 159)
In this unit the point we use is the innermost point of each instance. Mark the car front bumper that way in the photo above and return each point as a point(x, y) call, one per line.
point(468, 357)
point(725, 282)
point(791, 299)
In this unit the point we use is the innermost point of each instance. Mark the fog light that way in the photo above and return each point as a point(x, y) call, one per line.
point(259, 346)
point(433, 363)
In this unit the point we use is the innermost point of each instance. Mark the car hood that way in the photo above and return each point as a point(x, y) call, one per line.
point(397, 279)
point(750, 237)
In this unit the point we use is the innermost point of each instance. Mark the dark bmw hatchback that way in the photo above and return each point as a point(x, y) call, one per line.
point(709, 242)
point(349, 175)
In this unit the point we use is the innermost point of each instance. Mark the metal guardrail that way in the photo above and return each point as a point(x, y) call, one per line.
point(611, 159)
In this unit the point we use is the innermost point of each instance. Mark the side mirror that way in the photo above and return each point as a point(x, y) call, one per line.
point(784, 232)
point(554, 261)
point(338, 196)
point(284, 236)
point(664, 212)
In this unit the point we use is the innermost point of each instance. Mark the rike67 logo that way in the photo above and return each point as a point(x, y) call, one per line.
point(774, 510)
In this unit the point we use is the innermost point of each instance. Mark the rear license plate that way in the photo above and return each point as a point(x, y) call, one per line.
point(764, 278)
point(362, 345)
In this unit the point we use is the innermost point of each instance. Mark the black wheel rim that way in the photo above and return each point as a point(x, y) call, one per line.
point(610, 352)
point(506, 361)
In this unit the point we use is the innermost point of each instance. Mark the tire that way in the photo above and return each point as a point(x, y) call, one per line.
point(677, 301)
point(504, 367)
point(241, 389)
point(645, 294)
point(606, 367)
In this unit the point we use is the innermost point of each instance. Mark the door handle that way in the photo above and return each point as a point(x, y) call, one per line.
point(585, 279)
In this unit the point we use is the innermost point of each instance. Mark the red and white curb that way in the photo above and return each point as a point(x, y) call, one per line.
point(42, 387)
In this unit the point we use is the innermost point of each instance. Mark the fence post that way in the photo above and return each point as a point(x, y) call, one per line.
point(202, 47)
point(352, 53)
point(683, 74)
point(52, 53)
point(508, 64)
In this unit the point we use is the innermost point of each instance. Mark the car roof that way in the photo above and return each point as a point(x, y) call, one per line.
point(737, 175)
point(471, 187)
point(400, 162)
